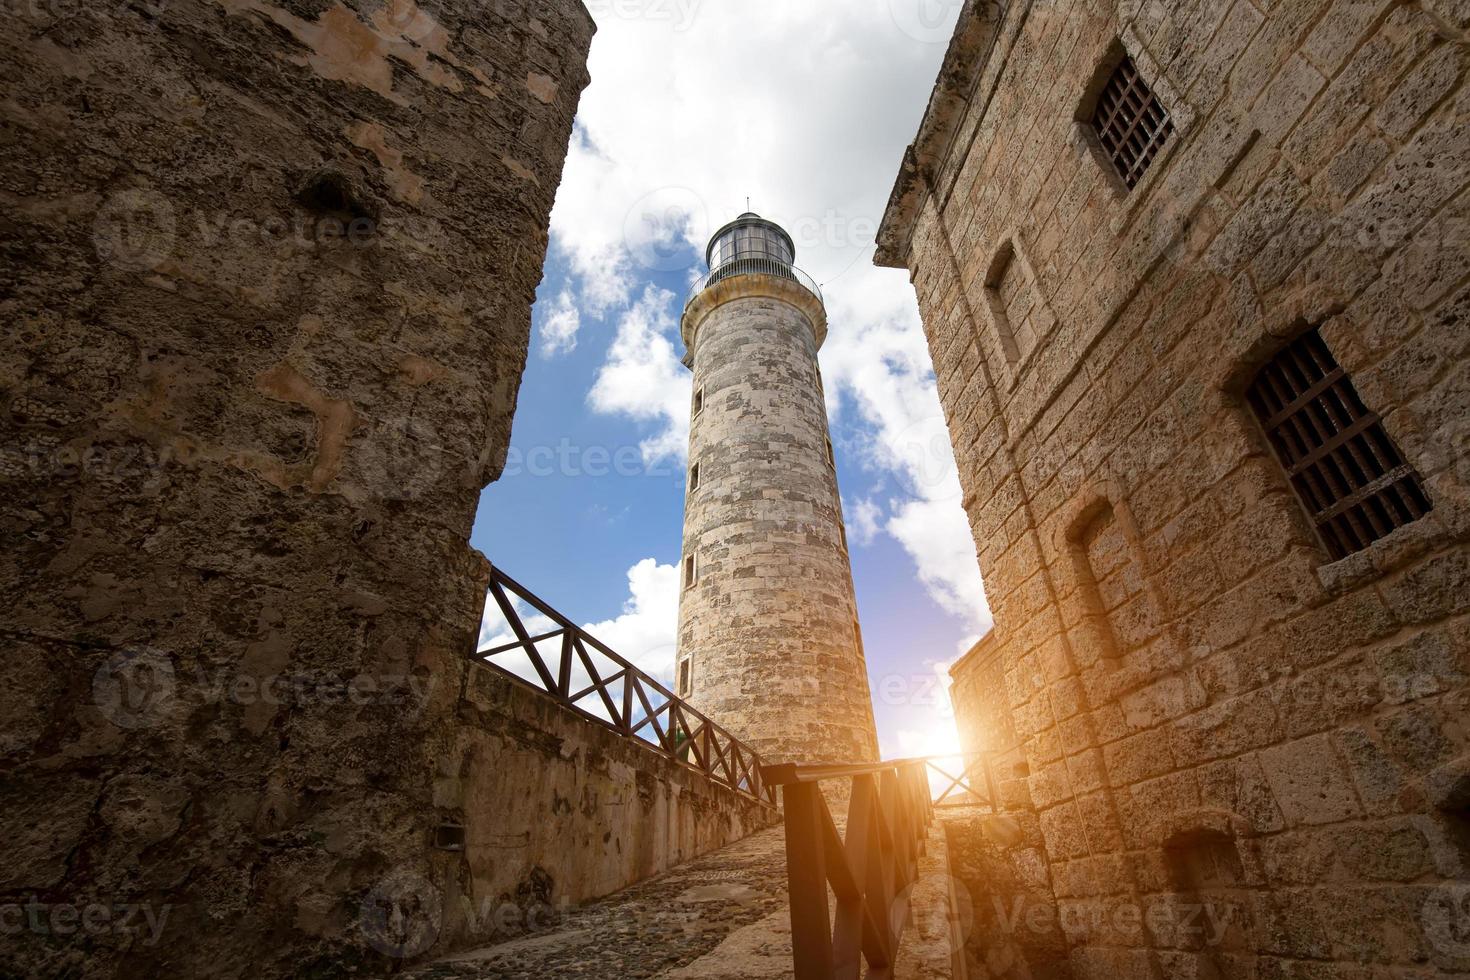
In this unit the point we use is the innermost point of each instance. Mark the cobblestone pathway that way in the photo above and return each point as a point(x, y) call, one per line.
point(721, 917)
point(732, 901)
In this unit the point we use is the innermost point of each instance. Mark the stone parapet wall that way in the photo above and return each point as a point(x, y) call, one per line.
point(1214, 711)
point(559, 810)
point(266, 287)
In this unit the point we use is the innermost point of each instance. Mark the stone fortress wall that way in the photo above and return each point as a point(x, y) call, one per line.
point(266, 288)
point(1217, 710)
point(769, 640)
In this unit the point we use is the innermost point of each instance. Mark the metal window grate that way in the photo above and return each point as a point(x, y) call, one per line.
point(1131, 123)
point(1340, 460)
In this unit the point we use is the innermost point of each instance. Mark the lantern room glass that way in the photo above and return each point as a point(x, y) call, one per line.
point(750, 238)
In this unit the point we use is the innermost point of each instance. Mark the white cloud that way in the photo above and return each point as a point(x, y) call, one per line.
point(559, 328)
point(863, 520)
point(937, 536)
point(646, 632)
point(643, 379)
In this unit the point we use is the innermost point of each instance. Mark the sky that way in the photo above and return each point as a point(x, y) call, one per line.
point(804, 107)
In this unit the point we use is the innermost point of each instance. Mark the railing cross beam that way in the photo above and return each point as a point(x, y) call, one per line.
point(711, 749)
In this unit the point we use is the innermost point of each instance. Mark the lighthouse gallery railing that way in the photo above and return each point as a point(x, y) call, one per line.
point(754, 267)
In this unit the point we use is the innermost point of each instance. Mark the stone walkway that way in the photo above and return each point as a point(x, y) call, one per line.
point(733, 900)
point(721, 917)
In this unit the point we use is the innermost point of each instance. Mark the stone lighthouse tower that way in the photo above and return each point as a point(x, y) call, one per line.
point(769, 642)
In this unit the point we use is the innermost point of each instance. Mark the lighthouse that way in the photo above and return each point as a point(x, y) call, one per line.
point(769, 641)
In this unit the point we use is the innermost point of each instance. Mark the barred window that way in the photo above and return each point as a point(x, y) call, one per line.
point(1131, 123)
point(1340, 460)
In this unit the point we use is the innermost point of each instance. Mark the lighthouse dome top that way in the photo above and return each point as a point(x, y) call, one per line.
point(750, 237)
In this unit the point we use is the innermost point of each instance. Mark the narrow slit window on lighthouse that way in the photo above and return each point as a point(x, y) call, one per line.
point(685, 687)
point(694, 478)
point(689, 572)
point(831, 458)
point(698, 400)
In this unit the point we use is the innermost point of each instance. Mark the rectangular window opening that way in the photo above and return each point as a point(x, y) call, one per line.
point(685, 684)
point(1339, 459)
point(831, 457)
point(698, 400)
point(689, 572)
point(1131, 123)
point(694, 477)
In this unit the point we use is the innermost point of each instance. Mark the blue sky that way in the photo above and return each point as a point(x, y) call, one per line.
point(590, 510)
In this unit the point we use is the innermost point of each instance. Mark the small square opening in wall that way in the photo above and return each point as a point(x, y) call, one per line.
point(694, 477)
point(1130, 122)
point(449, 837)
point(689, 572)
point(698, 400)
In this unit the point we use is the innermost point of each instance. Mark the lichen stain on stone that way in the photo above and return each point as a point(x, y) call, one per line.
point(418, 371)
point(519, 169)
point(542, 87)
point(334, 424)
point(406, 185)
point(345, 48)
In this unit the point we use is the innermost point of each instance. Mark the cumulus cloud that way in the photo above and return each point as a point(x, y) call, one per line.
point(647, 630)
point(863, 520)
point(643, 379)
point(560, 326)
point(644, 633)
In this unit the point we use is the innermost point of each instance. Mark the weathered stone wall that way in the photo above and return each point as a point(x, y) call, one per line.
point(559, 810)
point(982, 710)
point(1250, 727)
point(266, 291)
point(770, 628)
point(1009, 924)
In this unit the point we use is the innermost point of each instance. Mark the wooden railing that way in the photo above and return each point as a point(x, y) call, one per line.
point(869, 869)
point(973, 786)
point(587, 677)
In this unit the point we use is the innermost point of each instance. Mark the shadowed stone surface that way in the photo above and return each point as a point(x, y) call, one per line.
point(266, 284)
point(722, 917)
point(1213, 712)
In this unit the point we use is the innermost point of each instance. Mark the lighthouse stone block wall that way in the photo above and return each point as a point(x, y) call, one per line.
point(768, 623)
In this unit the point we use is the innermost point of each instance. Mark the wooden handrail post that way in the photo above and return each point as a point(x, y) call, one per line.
point(806, 878)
